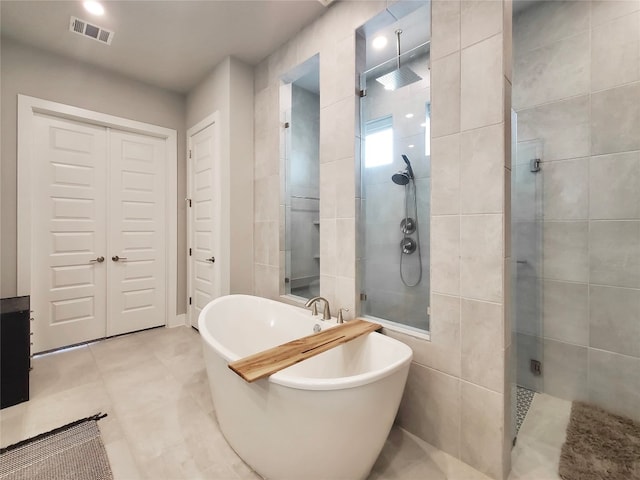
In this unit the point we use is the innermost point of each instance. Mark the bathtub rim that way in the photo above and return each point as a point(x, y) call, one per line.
point(285, 379)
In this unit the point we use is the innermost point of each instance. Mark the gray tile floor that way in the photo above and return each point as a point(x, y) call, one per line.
point(543, 432)
point(161, 422)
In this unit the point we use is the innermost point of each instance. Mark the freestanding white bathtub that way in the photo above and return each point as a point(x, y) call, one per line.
point(325, 418)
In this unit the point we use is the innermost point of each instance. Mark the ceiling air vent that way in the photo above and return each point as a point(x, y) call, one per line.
point(84, 28)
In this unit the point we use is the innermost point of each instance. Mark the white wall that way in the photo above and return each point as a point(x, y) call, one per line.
point(29, 71)
point(210, 95)
point(241, 158)
point(228, 90)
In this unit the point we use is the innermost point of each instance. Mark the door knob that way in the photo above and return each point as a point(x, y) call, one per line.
point(212, 260)
point(116, 258)
point(98, 260)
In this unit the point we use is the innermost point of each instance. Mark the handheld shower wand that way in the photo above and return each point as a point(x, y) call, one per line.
point(409, 169)
point(408, 224)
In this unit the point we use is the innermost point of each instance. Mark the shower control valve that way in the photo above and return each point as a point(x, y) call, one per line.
point(408, 245)
point(408, 225)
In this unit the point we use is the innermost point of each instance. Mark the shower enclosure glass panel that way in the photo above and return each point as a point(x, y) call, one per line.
point(576, 220)
point(395, 169)
point(300, 141)
point(526, 232)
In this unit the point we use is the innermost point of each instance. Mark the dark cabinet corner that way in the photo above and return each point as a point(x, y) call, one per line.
point(15, 350)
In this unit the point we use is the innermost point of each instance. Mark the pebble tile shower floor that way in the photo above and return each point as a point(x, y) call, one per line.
point(524, 397)
point(161, 422)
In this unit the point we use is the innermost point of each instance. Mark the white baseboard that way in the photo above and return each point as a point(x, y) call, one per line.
point(178, 321)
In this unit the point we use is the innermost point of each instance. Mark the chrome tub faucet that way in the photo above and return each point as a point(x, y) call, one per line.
point(326, 311)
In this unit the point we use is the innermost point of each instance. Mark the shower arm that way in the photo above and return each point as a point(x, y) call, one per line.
point(398, 32)
point(368, 71)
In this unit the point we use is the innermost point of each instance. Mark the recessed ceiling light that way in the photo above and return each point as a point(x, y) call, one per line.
point(93, 7)
point(409, 115)
point(379, 42)
point(411, 146)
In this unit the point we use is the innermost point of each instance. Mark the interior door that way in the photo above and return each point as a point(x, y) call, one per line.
point(136, 219)
point(204, 275)
point(68, 232)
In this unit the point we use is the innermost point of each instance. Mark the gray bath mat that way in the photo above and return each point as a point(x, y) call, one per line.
point(600, 446)
point(74, 451)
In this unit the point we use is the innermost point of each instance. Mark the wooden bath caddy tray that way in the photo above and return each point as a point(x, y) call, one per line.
point(267, 362)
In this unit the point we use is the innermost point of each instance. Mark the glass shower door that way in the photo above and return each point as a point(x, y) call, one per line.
point(395, 171)
point(526, 225)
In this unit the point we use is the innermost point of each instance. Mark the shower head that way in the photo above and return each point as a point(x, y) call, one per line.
point(398, 78)
point(401, 178)
point(401, 76)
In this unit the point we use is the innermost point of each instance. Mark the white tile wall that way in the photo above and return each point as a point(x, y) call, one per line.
point(614, 319)
point(445, 94)
point(445, 164)
point(481, 97)
point(481, 429)
point(482, 257)
point(435, 404)
point(615, 119)
point(553, 72)
point(614, 382)
point(481, 324)
point(615, 49)
point(436, 418)
point(479, 20)
point(565, 190)
point(590, 192)
point(565, 370)
point(614, 186)
point(481, 170)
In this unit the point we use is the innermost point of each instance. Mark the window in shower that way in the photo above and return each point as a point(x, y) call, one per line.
point(378, 142)
point(395, 174)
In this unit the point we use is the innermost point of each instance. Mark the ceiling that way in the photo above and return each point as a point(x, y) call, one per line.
point(414, 21)
point(171, 44)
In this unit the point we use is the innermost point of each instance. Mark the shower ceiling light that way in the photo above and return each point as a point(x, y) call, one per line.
point(379, 42)
point(93, 7)
point(409, 115)
point(411, 146)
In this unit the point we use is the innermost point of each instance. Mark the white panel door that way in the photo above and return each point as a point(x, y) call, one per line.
point(68, 279)
point(204, 273)
point(136, 225)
